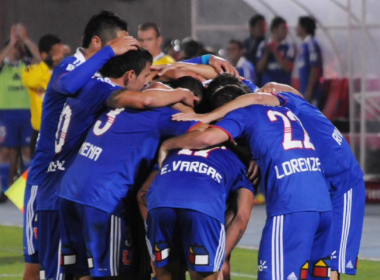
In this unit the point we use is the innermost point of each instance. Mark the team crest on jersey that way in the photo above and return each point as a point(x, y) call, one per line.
point(322, 268)
point(199, 255)
point(127, 257)
point(304, 269)
point(35, 230)
point(161, 251)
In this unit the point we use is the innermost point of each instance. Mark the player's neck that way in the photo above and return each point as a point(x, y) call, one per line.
point(118, 81)
point(89, 52)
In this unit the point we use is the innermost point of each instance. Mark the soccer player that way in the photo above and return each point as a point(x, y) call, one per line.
point(149, 37)
point(36, 78)
point(298, 228)
point(310, 64)
point(275, 58)
point(104, 37)
point(117, 153)
point(339, 165)
point(181, 219)
point(235, 51)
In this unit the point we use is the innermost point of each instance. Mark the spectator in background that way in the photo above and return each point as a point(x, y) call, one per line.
point(257, 29)
point(245, 68)
point(36, 78)
point(15, 128)
point(310, 63)
point(275, 58)
point(189, 48)
point(149, 38)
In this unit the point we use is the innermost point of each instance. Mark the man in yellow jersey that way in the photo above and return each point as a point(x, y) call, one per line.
point(15, 126)
point(149, 38)
point(37, 76)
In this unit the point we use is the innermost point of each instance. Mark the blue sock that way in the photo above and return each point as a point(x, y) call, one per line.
point(4, 174)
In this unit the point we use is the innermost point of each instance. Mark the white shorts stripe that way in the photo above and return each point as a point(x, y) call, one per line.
point(219, 249)
point(118, 247)
point(111, 245)
point(59, 275)
point(29, 222)
point(223, 250)
point(281, 247)
point(273, 248)
point(347, 209)
point(278, 248)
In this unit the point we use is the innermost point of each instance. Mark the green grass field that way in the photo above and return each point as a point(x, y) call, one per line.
point(243, 261)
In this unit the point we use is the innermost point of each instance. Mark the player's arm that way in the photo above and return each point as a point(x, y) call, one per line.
point(21, 33)
point(285, 64)
point(240, 102)
point(236, 228)
point(193, 140)
point(273, 87)
point(263, 56)
point(180, 69)
point(141, 195)
point(69, 82)
point(219, 64)
point(151, 98)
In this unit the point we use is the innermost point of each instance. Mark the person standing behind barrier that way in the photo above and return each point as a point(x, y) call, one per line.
point(275, 58)
point(15, 126)
point(235, 51)
point(257, 29)
point(310, 64)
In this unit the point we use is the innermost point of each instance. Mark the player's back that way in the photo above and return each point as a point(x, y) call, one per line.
point(290, 167)
point(77, 116)
point(338, 161)
point(51, 109)
point(198, 180)
point(117, 154)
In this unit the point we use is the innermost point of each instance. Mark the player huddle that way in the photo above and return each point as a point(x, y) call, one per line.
point(95, 166)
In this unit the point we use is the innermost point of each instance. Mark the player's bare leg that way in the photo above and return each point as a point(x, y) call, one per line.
point(168, 272)
point(32, 271)
point(334, 275)
point(203, 275)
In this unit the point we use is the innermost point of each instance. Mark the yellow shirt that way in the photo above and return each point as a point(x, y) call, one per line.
point(36, 79)
point(163, 59)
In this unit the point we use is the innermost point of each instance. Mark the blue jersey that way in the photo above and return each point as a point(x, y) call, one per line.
point(117, 154)
point(77, 117)
point(338, 161)
point(251, 85)
point(62, 84)
point(198, 180)
point(246, 69)
point(290, 167)
point(273, 71)
point(309, 56)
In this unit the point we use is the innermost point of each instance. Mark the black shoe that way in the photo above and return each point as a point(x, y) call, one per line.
point(3, 197)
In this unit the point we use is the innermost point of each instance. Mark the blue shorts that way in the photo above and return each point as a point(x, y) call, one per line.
point(173, 232)
point(296, 246)
point(30, 233)
point(15, 128)
point(48, 250)
point(93, 241)
point(348, 217)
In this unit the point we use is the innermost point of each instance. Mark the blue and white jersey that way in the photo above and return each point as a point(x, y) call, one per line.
point(198, 180)
point(117, 154)
point(273, 71)
point(291, 170)
point(309, 56)
point(338, 162)
point(246, 69)
point(78, 115)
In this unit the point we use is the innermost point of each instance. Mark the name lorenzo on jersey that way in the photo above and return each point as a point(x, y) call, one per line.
point(90, 151)
point(292, 166)
point(192, 166)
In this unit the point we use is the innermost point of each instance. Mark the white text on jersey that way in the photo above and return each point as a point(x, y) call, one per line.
point(297, 165)
point(193, 166)
point(90, 151)
point(56, 165)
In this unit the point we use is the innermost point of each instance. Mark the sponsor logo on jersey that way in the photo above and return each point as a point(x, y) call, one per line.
point(262, 265)
point(199, 255)
point(298, 165)
point(127, 257)
point(292, 276)
point(349, 265)
point(304, 269)
point(322, 268)
point(161, 251)
point(56, 165)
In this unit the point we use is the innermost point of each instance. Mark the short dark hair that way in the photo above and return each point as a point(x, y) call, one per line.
point(256, 19)
point(308, 23)
point(47, 41)
point(236, 42)
point(104, 25)
point(276, 22)
point(117, 66)
point(225, 94)
point(189, 83)
point(150, 25)
point(190, 47)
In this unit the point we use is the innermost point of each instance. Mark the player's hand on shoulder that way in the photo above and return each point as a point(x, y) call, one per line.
point(192, 117)
point(254, 174)
point(222, 66)
point(123, 44)
point(189, 98)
